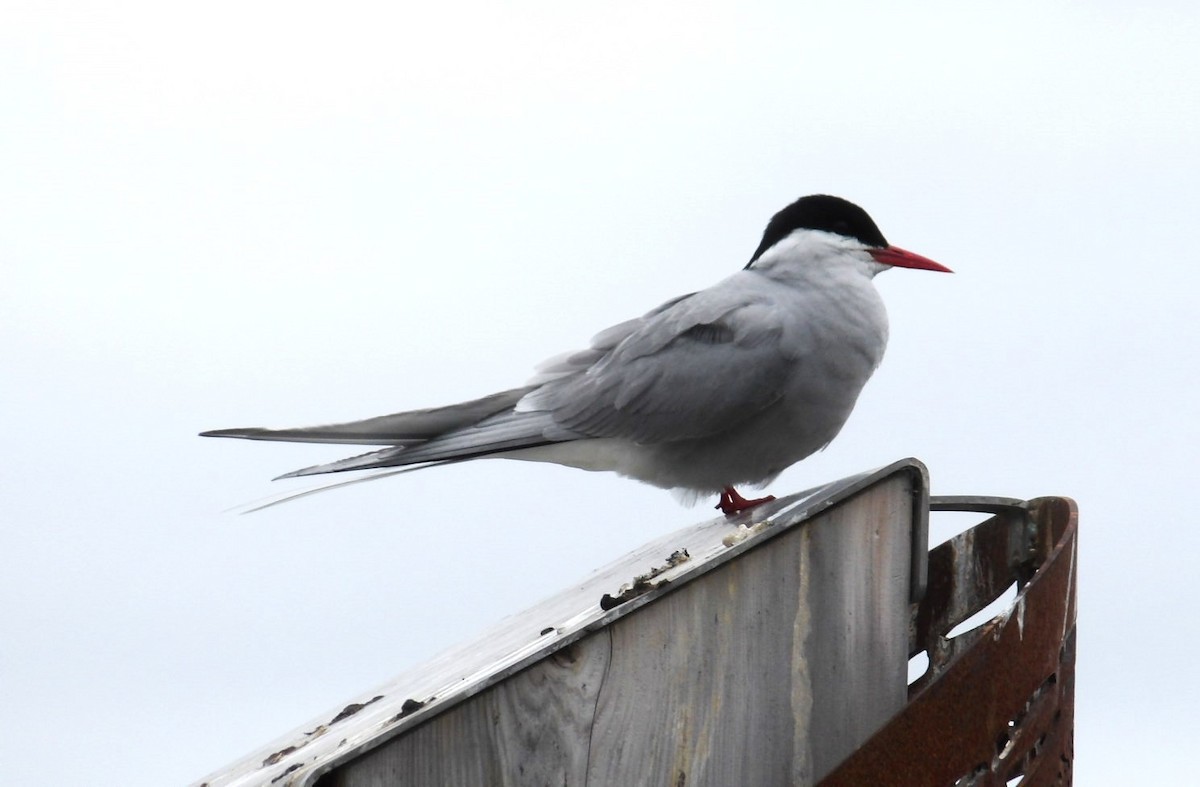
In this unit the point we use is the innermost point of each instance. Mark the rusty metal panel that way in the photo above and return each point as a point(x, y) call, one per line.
point(1000, 705)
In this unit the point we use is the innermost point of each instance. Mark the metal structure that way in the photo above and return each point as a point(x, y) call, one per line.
point(997, 703)
point(767, 649)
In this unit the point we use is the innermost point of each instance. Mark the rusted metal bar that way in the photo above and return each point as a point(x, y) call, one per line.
point(997, 703)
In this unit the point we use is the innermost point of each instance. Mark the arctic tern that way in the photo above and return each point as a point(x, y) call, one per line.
point(719, 388)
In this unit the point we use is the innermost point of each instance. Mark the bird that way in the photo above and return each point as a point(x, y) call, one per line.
point(720, 388)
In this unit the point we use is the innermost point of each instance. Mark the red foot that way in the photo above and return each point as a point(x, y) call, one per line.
point(732, 503)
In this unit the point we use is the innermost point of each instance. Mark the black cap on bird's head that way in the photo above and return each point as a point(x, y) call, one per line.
point(821, 212)
point(842, 217)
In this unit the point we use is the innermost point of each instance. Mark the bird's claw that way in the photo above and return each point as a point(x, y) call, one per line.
point(732, 503)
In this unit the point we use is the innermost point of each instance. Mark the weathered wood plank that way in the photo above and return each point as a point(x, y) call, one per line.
point(766, 670)
point(780, 634)
point(857, 561)
point(523, 732)
point(770, 669)
point(699, 690)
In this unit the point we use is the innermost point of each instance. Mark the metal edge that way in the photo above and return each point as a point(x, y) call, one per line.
point(873, 755)
point(1022, 540)
point(919, 576)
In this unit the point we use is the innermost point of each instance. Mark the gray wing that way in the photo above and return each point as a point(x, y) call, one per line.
point(506, 431)
point(603, 343)
point(443, 434)
point(414, 426)
point(695, 367)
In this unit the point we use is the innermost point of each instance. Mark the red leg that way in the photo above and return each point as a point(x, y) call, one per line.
point(732, 503)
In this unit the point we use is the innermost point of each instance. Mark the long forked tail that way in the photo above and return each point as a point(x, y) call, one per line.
point(296, 494)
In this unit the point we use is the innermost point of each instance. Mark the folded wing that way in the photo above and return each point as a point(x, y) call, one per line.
point(414, 426)
point(697, 366)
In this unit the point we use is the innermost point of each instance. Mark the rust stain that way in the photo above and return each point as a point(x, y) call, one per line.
point(997, 703)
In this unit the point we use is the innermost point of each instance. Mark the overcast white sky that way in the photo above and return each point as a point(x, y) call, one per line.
point(232, 214)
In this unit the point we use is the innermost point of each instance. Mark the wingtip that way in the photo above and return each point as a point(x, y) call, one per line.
point(245, 433)
point(223, 432)
point(301, 473)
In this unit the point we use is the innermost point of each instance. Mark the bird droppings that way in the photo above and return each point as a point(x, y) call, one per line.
point(354, 708)
point(321, 729)
point(643, 583)
point(609, 601)
point(410, 707)
point(743, 532)
point(678, 557)
point(279, 755)
point(293, 767)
